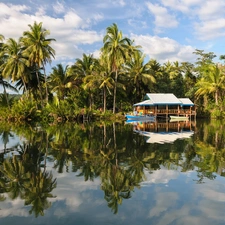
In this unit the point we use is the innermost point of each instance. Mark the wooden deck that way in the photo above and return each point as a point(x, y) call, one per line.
point(168, 112)
point(166, 126)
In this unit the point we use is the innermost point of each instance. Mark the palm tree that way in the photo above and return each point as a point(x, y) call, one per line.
point(140, 72)
point(14, 66)
point(60, 81)
point(38, 191)
point(117, 49)
point(32, 84)
point(157, 72)
point(82, 68)
point(212, 82)
point(100, 78)
point(38, 50)
point(16, 176)
point(6, 85)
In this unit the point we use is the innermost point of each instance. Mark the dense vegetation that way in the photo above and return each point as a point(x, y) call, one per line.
point(102, 86)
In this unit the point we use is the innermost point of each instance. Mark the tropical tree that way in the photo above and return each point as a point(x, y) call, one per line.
point(212, 82)
point(60, 81)
point(140, 73)
point(100, 78)
point(14, 66)
point(32, 84)
point(117, 49)
point(175, 73)
point(82, 68)
point(6, 85)
point(16, 177)
point(162, 79)
point(189, 78)
point(38, 191)
point(37, 49)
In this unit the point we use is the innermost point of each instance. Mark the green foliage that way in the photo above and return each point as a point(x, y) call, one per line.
point(62, 108)
point(24, 109)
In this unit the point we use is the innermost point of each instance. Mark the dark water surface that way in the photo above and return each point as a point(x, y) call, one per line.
point(93, 174)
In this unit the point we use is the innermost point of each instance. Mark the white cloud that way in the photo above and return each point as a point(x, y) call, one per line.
point(160, 176)
point(183, 6)
point(164, 49)
point(210, 29)
point(162, 16)
point(211, 10)
point(58, 7)
point(69, 31)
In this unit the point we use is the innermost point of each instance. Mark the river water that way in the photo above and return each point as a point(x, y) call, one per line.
point(157, 173)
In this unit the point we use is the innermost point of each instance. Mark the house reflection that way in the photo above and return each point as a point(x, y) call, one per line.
point(164, 131)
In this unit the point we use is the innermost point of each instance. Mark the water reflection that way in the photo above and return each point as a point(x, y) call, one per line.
point(164, 132)
point(68, 168)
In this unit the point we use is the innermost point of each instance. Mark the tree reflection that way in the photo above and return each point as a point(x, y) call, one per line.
point(22, 175)
point(38, 191)
point(109, 151)
point(15, 177)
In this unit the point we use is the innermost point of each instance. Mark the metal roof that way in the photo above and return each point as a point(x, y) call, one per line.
point(146, 102)
point(164, 99)
point(186, 101)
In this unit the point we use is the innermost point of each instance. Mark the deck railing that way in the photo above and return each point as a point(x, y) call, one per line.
point(169, 111)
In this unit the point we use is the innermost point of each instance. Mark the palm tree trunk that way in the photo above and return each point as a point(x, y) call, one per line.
point(5, 93)
point(24, 84)
point(115, 146)
point(46, 87)
point(104, 99)
point(39, 87)
point(114, 94)
point(216, 97)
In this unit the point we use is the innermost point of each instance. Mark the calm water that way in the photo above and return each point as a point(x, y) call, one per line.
point(137, 173)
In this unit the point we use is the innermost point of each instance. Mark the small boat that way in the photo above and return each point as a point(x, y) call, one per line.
point(179, 118)
point(140, 117)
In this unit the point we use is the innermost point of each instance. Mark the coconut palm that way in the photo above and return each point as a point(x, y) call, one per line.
point(100, 78)
point(212, 82)
point(6, 85)
point(38, 191)
point(32, 84)
point(16, 176)
point(140, 73)
point(60, 81)
point(116, 47)
point(82, 68)
point(38, 50)
point(14, 65)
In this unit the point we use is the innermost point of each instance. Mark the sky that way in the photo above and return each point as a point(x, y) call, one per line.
point(167, 30)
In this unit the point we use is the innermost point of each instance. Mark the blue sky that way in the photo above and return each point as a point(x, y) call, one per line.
point(167, 30)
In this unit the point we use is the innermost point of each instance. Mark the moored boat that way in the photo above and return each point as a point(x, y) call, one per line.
point(179, 118)
point(140, 117)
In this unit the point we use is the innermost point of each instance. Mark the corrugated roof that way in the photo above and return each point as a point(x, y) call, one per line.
point(162, 98)
point(186, 101)
point(146, 102)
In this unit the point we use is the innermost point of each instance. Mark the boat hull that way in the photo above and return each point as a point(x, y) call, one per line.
point(140, 118)
point(179, 118)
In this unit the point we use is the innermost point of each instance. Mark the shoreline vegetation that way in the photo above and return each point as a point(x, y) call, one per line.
point(103, 88)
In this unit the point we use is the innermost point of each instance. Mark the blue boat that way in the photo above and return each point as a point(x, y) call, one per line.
point(140, 117)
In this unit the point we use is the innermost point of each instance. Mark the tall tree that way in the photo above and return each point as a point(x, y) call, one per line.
point(212, 82)
point(38, 50)
point(116, 47)
point(100, 78)
point(82, 68)
point(60, 80)
point(14, 66)
point(140, 73)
